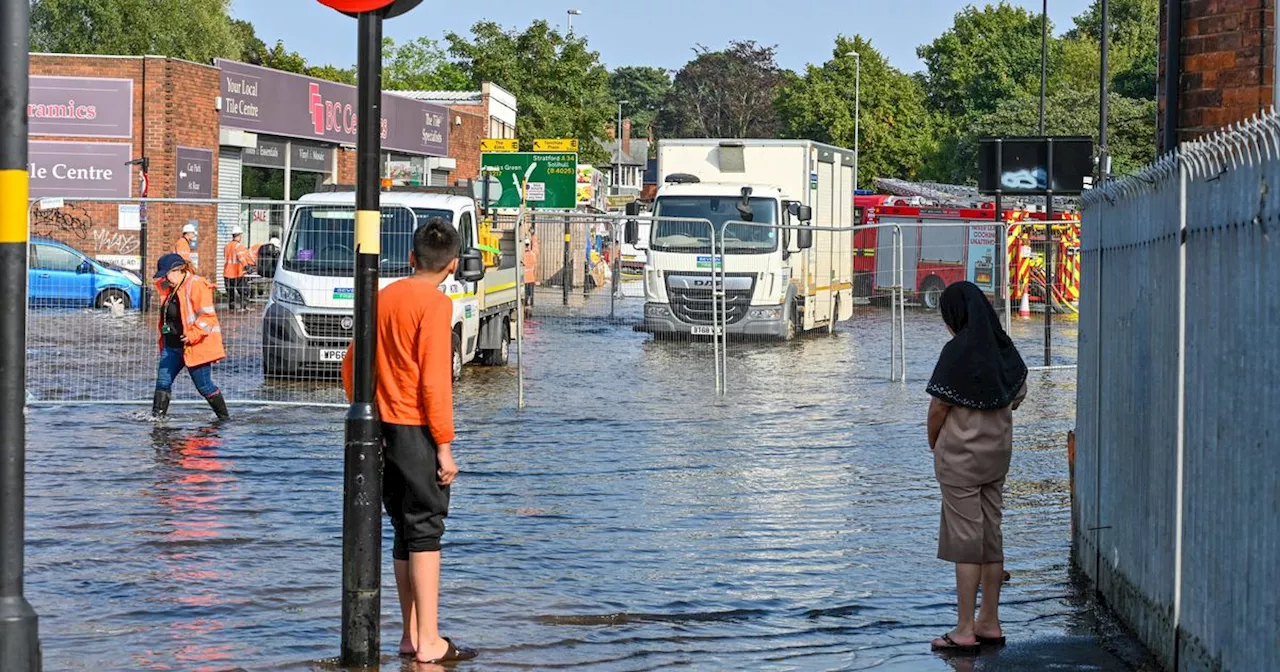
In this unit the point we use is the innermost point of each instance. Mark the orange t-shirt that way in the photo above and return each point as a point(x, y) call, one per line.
point(413, 373)
point(183, 247)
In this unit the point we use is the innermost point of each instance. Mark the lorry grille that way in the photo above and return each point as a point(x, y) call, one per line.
point(694, 306)
point(319, 325)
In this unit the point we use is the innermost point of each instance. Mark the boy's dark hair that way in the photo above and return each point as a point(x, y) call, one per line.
point(435, 244)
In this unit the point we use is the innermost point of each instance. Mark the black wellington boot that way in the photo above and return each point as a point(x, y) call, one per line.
point(160, 404)
point(219, 406)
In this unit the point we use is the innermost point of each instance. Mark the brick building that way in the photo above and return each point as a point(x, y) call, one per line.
point(1226, 58)
point(226, 131)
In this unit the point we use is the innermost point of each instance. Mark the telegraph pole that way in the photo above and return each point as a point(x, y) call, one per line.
point(19, 630)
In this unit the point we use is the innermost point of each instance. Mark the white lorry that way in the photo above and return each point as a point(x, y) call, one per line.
point(778, 283)
point(308, 323)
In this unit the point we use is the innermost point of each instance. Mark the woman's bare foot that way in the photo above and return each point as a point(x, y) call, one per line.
point(432, 651)
point(988, 630)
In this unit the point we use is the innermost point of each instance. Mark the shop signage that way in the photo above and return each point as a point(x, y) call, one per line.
point(271, 153)
point(79, 169)
point(309, 157)
point(81, 107)
point(268, 153)
point(195, 173)
point(272, 102)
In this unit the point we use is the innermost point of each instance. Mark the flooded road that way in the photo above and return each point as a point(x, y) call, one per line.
point(626, 520)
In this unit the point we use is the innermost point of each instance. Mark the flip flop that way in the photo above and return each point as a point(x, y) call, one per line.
point(452, 654)
point(990, 641)
point(956, 648)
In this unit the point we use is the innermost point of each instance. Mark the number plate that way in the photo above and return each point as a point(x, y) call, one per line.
point(704, 330)
point(332, 355)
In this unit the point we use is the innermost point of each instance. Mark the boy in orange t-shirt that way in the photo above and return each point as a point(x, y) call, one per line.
point(414, 395)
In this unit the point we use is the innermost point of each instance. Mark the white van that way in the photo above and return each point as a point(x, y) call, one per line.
point(308, 324)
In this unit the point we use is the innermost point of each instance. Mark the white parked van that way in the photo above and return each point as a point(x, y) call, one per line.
point(309, 322)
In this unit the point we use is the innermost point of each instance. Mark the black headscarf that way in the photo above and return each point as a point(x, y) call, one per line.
point(980, 368)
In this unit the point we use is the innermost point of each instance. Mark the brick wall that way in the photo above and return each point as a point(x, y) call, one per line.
point(1227, 55)
point(464, 142)
point(173, 104)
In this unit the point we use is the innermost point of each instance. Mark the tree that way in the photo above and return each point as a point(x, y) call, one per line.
point(1132, 128)
point(195, 30)
point(725, 94)
point(1135, 43)
point(560, 86)
point(989, 55)
point(896, 133)
point(420, 65)
point(645, 89)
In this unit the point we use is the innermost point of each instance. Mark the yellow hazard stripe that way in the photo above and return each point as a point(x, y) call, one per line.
point(14, 190)
point(499, 288)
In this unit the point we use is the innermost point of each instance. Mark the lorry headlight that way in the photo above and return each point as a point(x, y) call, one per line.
point(766, 314)
point(287, 294)
point(656, 310)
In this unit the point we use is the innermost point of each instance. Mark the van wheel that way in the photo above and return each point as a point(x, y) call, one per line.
point(113, 299)
point(457, 356)
point(931, 293)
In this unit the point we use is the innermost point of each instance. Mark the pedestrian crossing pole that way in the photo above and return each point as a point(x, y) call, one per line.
point(19, 633)
point(362, 512)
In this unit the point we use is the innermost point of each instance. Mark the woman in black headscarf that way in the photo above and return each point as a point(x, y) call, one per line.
point(978, 381)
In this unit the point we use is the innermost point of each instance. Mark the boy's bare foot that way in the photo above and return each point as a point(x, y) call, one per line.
point(406, 647)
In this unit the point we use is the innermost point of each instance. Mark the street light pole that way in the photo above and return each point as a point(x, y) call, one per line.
point(572, 13)
point(617, 164)
point(1044, 60)
point(19, 632)
point(857, 114)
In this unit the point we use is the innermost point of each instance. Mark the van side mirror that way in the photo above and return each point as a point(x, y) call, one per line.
point(470, 266)
point(804, 237)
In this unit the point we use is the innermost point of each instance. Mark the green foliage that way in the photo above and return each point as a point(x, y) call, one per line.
point(195, 30)
point(561, 88)
point(896, 132)
point(989, 55)
point(725, 94)
point(420, 65)
point(645, 89)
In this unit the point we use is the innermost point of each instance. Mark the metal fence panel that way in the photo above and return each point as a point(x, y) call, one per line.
point(1175, 457)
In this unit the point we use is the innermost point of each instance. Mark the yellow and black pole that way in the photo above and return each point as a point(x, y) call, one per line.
point(19, 634)
point(362, 512)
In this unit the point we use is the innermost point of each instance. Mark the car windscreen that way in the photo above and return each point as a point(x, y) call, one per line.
point(322, 241)
point(668, 236)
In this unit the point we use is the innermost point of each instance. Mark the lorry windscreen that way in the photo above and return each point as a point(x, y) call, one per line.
point(696, 237)
point(322, 239)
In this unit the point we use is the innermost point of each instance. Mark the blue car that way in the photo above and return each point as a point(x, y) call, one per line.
point(60, 275)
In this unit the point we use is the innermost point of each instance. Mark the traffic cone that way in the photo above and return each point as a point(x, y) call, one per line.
point(1024, 308)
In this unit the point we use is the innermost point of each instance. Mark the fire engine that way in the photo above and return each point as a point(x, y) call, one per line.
point(943, 244)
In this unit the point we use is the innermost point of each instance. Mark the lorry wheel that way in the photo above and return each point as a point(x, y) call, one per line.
point(791, 325)
point(457, 356)
point(931, 294)
point(500, 355)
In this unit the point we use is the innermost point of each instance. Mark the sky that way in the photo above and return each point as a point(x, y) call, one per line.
point(647, 32)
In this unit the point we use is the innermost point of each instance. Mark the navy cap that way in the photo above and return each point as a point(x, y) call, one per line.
point(167, 263)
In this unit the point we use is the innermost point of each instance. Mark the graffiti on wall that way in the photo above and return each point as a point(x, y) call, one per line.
point(68, 224)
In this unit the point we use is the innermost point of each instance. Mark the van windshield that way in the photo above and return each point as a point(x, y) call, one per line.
point(322, 241)
point(696, 236)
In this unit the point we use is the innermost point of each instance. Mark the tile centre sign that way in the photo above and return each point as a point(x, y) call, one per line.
point(271, 102)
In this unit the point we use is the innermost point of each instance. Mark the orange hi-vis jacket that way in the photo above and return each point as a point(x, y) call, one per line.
point(235, 257)
point(530, 262)
point(413, 374)
point(183, 247)
point(200, 323)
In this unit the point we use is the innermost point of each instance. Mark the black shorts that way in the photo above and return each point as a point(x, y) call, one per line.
point(411, 492)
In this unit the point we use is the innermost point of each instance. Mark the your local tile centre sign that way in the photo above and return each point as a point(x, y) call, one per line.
point(262, 100)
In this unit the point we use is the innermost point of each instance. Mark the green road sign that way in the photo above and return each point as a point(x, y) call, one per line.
point(552, 179)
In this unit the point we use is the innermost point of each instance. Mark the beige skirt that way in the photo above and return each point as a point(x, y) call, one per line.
point(970, 528)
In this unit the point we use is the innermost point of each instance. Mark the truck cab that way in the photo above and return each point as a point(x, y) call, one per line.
point(778, 282)
point(309, 319)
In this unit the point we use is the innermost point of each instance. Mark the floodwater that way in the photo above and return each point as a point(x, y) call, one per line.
point(626, 520)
